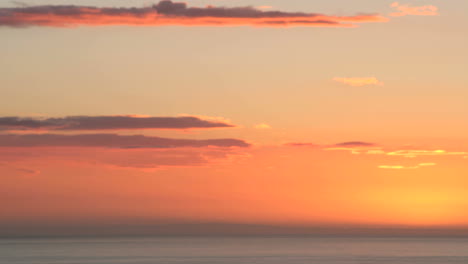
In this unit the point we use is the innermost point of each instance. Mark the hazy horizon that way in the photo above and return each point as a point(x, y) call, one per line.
point(181, 228)
point(212, 117)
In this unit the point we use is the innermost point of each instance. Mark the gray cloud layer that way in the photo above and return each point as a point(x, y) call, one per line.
point(108, 122)
point(111, 141)
point(354, 144)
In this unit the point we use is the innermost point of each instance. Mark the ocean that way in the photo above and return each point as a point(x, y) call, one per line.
point(234, 250)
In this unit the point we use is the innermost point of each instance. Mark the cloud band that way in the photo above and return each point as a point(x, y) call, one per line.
point(111, 141)
point(171, 13)
point(109, 122)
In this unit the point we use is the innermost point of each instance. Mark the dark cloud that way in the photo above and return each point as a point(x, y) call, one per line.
point(111, 141)
point(353, 144)
point(170, 13)
point(180, 9)
point(109, 122)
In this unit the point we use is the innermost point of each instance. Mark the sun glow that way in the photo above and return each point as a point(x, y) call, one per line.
point(419, 207)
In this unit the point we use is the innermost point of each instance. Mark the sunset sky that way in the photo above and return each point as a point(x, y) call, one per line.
point(249, 112)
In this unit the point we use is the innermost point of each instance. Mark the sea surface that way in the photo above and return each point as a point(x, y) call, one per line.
point(235, 250)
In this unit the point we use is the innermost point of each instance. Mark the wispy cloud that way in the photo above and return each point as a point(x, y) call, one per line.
point(369, 148)
point(409, 10)
point(354, 147)
point(414, 153)
point(24, 160)
point(338, 146)
point(110, 123)
point(358, 81)
point(172, 13)
point(401, 167)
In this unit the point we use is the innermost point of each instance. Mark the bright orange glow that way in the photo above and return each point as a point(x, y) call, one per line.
point(419, 207)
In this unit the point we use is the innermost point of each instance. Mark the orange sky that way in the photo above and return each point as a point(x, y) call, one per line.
point(233, 114)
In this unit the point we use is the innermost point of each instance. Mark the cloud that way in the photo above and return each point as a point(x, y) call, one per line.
point(22, 170)
point(26, 148)
point(301, 144)
point(28, 171)
point(392, 167)
point(262, 126)
point(149, 160)
point(111, 141)
point(355, 147)
point(369, 148)
point(401, 167)
point(171, 13)
point(349, 145)
point(142, 159)
point(408, 10)
point(265, 7)
point(417, 153)
point(110, 122)
point(357, 82)
point(354, 144)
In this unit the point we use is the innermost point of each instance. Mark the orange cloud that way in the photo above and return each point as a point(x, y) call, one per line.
point(358, 81)
point(172, 13)
point(264, 7)
point(408, 10)
point(262, 126)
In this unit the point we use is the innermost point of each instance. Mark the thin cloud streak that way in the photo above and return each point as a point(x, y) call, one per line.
point(302, 144)
point(354, 144)
point(25, 171)
point(110, 123)
point(414, 153)
point(401, 167)
point(172, 13)
point(338, 146)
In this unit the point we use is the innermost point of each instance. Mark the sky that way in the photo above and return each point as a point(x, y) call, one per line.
point(320, 114)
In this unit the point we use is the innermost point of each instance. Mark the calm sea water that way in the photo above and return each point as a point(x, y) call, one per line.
point(230, 250)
